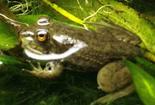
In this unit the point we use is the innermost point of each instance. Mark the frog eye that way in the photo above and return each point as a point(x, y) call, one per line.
point(43, 21)
point(42, 35)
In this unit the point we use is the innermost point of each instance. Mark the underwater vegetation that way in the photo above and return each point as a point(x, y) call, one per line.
point(19, 87)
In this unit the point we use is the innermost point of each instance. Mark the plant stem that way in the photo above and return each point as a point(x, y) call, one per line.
point(64, 12)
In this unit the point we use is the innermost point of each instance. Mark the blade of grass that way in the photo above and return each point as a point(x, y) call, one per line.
point(4, 59)
point(143, 82)
point(64, 12)
point(145, 63)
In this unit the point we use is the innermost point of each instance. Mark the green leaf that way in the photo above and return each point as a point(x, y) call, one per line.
point(143, 82)
point(150, 66)
point(111, 10)
point(64, 12)
point(4, 59)
point(129, 18)
point(29, 19)
point(8, 38)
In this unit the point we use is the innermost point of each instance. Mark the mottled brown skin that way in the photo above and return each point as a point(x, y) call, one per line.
point(103, 46)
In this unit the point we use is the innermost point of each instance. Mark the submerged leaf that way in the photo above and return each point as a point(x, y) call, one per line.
point(143, 82)
point(8, 38)
point(146, 64)
point(129, 18)
point(99, 11)
point(4, 59)
point(64, 12)
point(30, 19)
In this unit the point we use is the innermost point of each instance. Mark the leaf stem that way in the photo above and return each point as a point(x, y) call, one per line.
point(150, 56)
point(64, 12)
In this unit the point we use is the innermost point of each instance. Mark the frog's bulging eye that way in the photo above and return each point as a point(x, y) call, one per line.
point(42, 36)
point(43, 21)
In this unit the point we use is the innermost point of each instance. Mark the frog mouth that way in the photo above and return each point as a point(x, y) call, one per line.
point(54, 56)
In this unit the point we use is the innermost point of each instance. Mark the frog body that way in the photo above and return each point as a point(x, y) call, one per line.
point(100, 49)
point(96, 48)
point(86, 49)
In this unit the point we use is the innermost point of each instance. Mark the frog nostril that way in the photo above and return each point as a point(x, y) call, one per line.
point(49, 68)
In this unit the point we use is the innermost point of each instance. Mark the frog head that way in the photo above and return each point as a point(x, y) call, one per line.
point(36, 38)
point(43, 42)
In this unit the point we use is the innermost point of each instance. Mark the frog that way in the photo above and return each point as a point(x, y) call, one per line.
point(63, 46)
point(99, 51)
